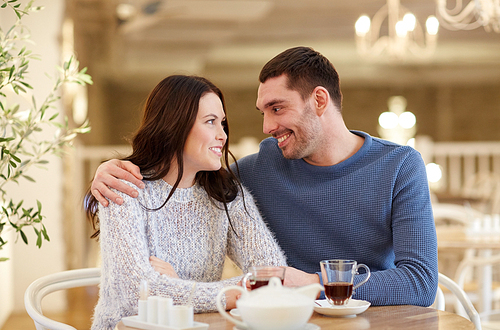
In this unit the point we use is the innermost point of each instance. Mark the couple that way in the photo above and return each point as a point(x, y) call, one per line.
point(324, 192)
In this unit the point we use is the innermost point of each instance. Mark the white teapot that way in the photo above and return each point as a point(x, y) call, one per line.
point(272, 307)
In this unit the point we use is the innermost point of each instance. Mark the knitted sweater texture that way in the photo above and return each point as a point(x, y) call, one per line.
point(191, 233)
point(374, 207)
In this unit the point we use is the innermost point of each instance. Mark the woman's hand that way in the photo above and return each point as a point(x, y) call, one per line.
point(231, 297)
point(162, 267)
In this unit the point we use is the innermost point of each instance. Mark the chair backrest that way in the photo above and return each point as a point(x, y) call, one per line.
point(41, 287)
point(440, 302)
point(461, 296)
point(454, 213)
point(471, 261)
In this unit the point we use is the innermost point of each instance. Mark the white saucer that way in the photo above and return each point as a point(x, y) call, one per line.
point(307, 326)
point(235, 313)
point(353, 307)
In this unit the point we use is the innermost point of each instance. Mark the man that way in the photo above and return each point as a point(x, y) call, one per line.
point(330, 193)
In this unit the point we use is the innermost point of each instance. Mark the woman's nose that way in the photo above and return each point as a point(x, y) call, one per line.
point(221, 134)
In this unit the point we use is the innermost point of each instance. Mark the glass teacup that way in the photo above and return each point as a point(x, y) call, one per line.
point(338, 279)
point(259, 276)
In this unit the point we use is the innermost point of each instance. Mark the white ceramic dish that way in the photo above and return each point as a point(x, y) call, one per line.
point(353, 307)
point(133, 321)
point(235, 313)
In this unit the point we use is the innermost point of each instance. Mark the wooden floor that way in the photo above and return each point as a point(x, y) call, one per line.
point(81, 302)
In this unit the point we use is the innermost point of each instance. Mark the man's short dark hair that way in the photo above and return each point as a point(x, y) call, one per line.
point(305, 69)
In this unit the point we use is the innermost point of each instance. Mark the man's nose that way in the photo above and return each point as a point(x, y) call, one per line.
point(269, 125)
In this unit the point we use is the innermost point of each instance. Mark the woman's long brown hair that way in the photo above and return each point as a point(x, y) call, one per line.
point(169, 114)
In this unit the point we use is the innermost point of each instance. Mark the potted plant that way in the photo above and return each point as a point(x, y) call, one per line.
point(22, 119)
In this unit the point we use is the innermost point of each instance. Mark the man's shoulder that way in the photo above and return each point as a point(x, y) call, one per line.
point(389, 146)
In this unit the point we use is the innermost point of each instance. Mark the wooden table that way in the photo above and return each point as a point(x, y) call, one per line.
point(457, 237)
point(387, 317)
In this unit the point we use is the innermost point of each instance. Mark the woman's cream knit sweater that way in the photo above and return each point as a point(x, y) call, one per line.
point(190, 232)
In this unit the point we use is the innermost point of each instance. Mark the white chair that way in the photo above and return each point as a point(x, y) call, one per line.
point(479, 269)
point(454, 213)
point(439, 303)
point(486, 188)
point(41, 287)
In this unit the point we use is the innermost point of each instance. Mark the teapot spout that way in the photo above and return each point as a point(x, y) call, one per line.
point(310, 290)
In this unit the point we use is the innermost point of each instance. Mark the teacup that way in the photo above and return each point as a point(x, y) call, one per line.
point(338, 279)
point(259, 276)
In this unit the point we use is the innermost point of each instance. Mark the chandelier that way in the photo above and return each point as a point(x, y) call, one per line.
point(405, 36)
point(477, 13)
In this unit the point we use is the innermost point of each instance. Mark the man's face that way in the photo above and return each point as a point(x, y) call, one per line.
point(288, 118)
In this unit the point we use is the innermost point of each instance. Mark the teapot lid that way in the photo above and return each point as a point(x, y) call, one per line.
point(273, 295)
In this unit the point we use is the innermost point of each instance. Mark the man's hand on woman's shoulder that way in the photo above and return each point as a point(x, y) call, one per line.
point(107, 176)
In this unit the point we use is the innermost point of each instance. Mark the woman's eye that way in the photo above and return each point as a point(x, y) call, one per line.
point(210, 121)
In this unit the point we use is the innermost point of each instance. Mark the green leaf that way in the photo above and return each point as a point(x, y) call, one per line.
point(21, 51)
point(19, 205)
point(45, 235)
point(23, 236)
point(26, 84)
point(4, 259)
point(28, 178)
point(15, 158)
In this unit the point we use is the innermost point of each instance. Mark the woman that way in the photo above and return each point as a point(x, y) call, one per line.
point(190, 215)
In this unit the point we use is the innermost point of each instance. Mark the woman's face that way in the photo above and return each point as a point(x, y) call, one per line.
point(203, 149)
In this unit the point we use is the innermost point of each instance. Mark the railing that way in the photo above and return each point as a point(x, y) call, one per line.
point(470, 169)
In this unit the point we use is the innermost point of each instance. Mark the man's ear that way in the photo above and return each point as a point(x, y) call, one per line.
point(321, 97)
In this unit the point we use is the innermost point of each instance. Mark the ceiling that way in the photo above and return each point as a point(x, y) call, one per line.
point(230, 40)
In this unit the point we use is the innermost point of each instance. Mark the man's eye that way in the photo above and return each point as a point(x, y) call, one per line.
point(275, 109)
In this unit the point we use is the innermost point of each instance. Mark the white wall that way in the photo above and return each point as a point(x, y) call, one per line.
point(28, 262)
point(6, 288)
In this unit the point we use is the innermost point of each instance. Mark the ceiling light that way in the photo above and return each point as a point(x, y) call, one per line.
point(125, 11)
point(405, 35)
point(477, 13)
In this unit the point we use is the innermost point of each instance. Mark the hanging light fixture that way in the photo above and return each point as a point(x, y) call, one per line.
point(405, 35)
point(476, 13)
point(397, 124)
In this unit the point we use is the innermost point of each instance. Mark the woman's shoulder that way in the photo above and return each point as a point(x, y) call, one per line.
point(243, 199)
point(150, 188)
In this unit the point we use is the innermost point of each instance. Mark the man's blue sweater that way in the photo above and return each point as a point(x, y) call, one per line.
point(374, 208)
